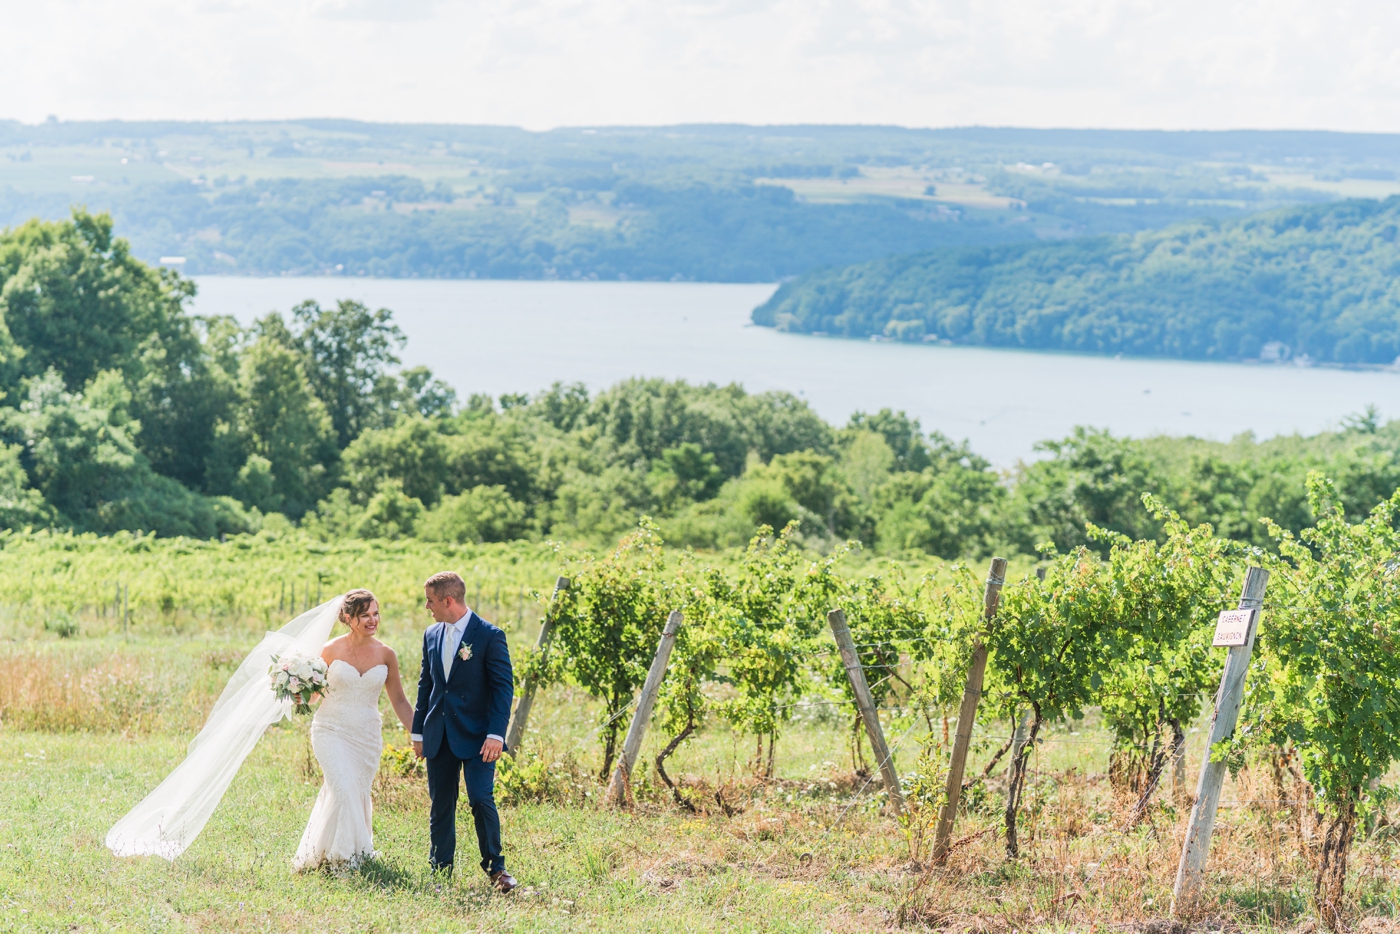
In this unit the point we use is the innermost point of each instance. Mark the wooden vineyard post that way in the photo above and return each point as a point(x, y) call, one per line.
point(632, 745)
point(1222, 726)
point(967, 717)
point(516, 733)
point(865, 703)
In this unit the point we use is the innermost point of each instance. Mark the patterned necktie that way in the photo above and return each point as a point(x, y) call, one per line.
point(449, 648)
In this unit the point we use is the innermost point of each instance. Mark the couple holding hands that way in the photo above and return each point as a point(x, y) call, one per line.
point(458, 725)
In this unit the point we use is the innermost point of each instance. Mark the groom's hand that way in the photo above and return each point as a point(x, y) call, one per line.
point(491, 750)
point(418, 748)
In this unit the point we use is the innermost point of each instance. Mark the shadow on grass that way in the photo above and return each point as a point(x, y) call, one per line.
point(388, 874)
point(1266, 906)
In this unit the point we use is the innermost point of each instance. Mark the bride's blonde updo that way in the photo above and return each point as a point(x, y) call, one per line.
point(355, 604)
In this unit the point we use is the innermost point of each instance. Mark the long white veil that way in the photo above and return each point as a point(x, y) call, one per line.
point(169, 818)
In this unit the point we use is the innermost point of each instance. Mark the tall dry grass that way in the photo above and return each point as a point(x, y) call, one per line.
point(104, 691)
point(1084, 867)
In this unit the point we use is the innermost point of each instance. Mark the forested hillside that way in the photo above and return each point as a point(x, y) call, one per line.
point(123, 411)
point(1313, 282)
point(716, 203)
point(396, 226)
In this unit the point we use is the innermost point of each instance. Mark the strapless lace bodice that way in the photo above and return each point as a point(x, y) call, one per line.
point(351, 694)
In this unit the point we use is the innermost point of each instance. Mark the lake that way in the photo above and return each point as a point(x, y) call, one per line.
point(520, 336)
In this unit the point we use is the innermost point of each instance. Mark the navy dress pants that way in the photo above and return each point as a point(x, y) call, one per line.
point(443, 772)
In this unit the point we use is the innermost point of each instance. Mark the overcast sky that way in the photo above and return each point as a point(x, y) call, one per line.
point(543, 63)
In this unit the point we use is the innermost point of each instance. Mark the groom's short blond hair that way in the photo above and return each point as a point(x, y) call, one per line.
point(447, 584)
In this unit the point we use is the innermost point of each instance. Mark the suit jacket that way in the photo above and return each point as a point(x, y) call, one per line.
point(461, 709)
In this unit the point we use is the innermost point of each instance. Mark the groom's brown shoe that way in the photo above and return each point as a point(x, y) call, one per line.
point(503, 880)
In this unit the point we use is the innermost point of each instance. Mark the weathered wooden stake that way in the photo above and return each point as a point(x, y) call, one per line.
point(967, 717)
point(1222, 726)
point(126, 610)
point(865, 703)
point(516, 733)
point(632, 745)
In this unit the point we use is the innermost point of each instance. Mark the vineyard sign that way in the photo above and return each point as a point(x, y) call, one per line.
point(1232, 628)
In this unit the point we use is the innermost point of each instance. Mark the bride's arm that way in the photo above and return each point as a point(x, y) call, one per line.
point(328, 655)
point(394, 685)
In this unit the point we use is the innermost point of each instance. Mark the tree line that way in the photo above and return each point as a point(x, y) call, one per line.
point(121, 410)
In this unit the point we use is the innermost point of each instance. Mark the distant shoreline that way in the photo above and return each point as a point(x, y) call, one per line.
point(1050, 351)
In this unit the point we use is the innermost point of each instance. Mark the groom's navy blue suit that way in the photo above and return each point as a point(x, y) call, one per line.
point(454, 715)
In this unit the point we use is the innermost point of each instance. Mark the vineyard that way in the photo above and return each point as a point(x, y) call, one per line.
point(949, 746)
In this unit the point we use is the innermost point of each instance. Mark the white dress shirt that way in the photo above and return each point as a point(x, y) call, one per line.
point(451, 638)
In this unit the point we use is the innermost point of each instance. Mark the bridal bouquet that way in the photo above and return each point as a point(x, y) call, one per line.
point(298, 678)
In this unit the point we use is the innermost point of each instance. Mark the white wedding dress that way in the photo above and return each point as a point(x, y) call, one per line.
point(346, 738)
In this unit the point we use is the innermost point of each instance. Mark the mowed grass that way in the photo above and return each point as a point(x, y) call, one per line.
point(582, 868)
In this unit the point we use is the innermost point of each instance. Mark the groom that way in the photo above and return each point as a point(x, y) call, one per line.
point(464, 697)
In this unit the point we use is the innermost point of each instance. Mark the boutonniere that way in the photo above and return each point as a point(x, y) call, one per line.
point(465, 652)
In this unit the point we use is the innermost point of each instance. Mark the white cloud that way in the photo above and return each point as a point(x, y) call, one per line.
point(540, 63)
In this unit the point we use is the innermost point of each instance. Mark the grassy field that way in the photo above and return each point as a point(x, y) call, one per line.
point(808, 851)
point(94, 713)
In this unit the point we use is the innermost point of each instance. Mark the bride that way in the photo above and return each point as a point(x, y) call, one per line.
point(345, 736)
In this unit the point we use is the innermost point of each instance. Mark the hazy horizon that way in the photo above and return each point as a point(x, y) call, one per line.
point(543, 64)
point(713, 124)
